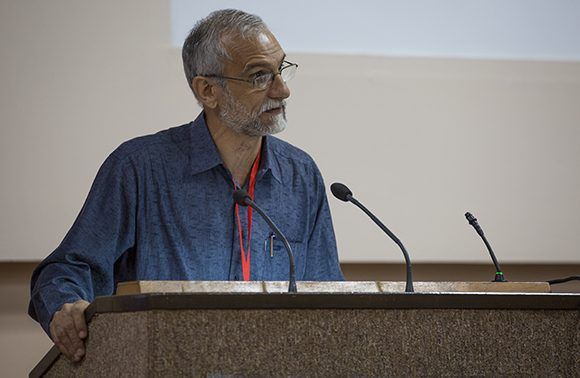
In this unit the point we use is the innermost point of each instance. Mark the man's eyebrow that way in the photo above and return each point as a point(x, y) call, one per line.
point(249, 66)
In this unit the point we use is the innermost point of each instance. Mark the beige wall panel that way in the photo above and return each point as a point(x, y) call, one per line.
point(420, 141)
point(78, 79)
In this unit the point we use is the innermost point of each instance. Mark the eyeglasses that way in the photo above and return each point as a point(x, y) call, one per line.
point(262, 80)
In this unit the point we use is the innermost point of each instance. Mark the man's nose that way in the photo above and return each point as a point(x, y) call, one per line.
point(279, 89)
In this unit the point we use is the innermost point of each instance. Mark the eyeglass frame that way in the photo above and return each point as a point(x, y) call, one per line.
point(252, 81)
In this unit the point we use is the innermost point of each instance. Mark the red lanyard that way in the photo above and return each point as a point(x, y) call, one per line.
point(245, 254)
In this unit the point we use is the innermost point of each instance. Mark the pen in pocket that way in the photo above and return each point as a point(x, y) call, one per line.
point(269, 242)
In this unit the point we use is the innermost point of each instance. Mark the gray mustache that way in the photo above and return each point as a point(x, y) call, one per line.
point(273, 105)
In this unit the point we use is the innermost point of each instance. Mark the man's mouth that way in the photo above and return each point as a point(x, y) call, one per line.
point(277, 110)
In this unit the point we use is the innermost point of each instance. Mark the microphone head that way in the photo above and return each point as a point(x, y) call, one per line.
point(240, 197)
point(341, 191)
point(470, 218)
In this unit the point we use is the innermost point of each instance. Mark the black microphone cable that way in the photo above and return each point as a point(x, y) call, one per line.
point(343, 193)
point(243, 198)
point(499, 276)
point(562, 280)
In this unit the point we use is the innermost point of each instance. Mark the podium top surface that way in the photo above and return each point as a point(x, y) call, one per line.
point(350, 287)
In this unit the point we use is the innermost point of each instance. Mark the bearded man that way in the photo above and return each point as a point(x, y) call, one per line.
point(161, 206)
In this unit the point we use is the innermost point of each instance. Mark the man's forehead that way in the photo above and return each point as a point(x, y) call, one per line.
point(261, 47)
point(265, 37)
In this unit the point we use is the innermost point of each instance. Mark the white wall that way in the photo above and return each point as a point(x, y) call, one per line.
point(78, 78)
point(419, 140)
point(492, 29)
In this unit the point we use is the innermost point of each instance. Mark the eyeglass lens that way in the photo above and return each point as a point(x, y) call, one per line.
point(287, 73)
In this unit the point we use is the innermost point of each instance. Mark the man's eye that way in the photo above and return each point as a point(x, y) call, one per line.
point(262, 78)
point(258, 74)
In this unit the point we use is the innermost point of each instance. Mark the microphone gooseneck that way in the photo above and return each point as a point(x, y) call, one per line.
point(242, 198)
point(343, 193)
point(499, 276)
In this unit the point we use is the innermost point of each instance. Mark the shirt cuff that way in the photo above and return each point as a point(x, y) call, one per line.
point(46, 301)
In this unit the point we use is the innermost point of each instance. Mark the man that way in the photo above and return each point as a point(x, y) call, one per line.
point(161, 206)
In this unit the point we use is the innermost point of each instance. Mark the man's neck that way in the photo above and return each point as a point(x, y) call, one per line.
point(237, 151)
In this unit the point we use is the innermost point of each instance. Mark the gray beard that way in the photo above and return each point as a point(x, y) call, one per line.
point(239, 119)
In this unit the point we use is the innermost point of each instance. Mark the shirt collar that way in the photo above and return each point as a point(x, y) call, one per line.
point(205, 155)
point(268, 159)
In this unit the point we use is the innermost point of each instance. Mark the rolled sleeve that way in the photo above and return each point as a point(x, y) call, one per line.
point(82, 265)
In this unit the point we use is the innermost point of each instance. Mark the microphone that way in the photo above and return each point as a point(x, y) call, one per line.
point(343, 193)
point(499, 277)
point(241, 197)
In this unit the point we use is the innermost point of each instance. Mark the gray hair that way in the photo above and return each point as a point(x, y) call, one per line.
point(203, 50)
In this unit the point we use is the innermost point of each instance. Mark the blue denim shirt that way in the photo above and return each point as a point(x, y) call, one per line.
point(161, 208)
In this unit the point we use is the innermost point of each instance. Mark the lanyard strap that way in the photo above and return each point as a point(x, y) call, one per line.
point(245, 254)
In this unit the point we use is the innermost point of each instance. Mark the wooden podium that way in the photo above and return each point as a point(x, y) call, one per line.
point(326, 329)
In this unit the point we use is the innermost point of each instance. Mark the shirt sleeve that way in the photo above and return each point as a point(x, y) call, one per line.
point(82, 266)
point(322, 256)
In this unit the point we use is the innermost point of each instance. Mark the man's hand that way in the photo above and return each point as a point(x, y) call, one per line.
point(68, 329)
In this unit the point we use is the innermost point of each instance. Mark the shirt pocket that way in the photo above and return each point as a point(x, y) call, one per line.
point(277, 266)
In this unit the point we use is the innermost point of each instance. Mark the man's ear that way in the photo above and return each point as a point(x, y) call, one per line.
point(206, 91)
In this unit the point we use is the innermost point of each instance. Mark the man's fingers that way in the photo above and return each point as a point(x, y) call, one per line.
point(57, 340)
point(63, 342)
point(59, 336)
point(74, 345)
point(78, 315)
point(68, 329)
